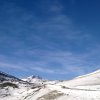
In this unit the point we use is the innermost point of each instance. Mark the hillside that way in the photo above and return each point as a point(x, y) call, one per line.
point(86, 87)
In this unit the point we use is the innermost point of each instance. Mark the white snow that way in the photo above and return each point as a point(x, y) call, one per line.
point(86, 87)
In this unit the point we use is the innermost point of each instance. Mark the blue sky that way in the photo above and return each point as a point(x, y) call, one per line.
point(56, 39)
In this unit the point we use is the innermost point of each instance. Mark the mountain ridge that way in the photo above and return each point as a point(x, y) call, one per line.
point(78, 88)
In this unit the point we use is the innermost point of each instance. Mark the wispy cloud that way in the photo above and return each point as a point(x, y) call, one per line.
point(6, 65)
point(31, 43)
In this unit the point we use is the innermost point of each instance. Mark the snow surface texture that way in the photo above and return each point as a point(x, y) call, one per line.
point(86, 87)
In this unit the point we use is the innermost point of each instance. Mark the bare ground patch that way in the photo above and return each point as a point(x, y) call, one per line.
point(51, 96)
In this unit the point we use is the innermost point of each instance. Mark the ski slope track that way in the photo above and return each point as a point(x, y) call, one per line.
point(85, 87)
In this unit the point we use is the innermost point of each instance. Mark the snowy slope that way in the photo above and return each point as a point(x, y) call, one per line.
point(84, 80)
point(86, 87)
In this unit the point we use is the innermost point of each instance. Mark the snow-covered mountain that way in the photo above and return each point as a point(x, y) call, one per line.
point(86, 87)
point(4, 77)
point(34, 79)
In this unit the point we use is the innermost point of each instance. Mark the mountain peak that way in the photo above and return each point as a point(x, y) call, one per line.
point(34, 77)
